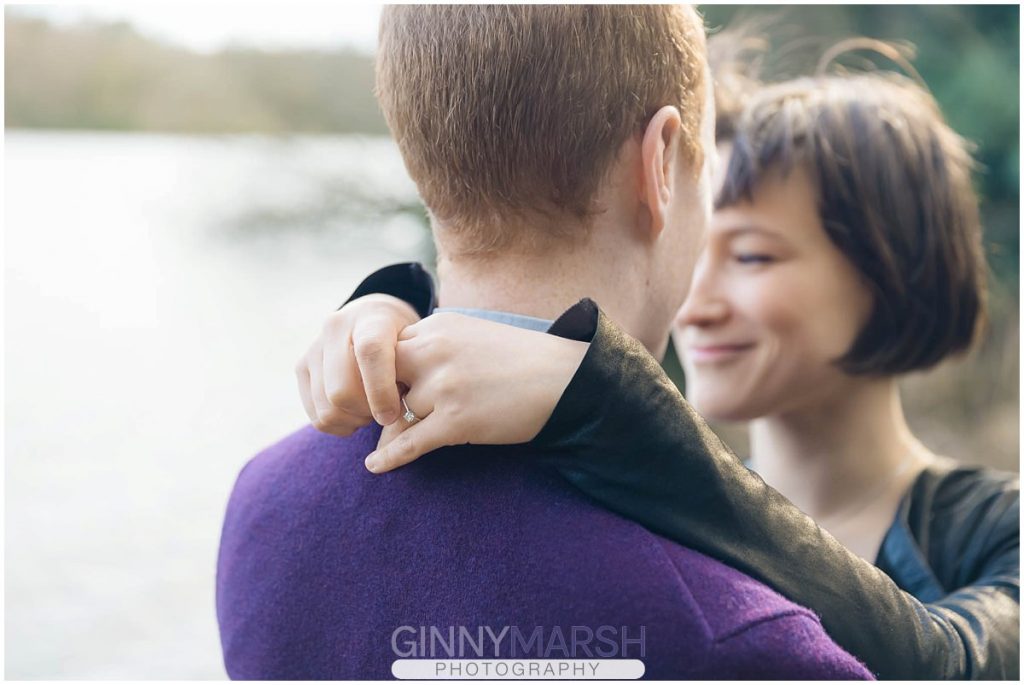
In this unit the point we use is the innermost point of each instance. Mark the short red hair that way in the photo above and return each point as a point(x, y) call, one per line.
point(510, 111)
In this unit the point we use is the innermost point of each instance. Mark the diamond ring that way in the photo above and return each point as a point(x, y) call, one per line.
point(409, 416)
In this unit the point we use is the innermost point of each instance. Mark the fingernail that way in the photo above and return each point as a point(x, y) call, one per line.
point(386, 417)
point(372, 462)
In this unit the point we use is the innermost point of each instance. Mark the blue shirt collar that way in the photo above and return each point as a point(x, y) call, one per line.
point(528, 322)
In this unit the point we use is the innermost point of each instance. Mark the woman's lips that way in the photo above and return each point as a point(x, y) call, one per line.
point(708, 354)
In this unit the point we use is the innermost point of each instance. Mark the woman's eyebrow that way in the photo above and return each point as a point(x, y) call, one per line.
point(735, 231)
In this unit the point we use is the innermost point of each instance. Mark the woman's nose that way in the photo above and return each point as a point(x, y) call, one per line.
point(702, 312)
point(704, 306)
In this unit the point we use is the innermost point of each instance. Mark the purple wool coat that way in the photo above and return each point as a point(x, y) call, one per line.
point(326, 570)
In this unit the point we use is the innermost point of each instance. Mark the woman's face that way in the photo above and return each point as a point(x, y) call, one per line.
point(773, 304)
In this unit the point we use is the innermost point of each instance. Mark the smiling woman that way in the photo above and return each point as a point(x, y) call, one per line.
point(864, 141)
point(824, 279)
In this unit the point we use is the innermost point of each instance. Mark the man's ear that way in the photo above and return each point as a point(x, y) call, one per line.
point(659, 160)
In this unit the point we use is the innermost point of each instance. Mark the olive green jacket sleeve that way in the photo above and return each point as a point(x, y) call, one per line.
point(623, 434)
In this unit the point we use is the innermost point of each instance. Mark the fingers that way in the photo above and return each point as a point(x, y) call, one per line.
point(431, 323)
point(405, 364)
point(325, 416)
point(417, 357)
point(409, 332)
point(389, 433)
point(316, 385)
point(349, 373)
point(302, 376)
point(373, 342)
point(410, 444)
point(343, 388)
point(416, 401)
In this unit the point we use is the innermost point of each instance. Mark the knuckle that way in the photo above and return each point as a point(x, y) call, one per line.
point(369, 348)
point(323, 417)
point(330, 416)
point(340, 431)
point(344, 431)
point(455, 410)
point(344, 401)
point(336, 423)
point(459, 424)
point(379, 396)
point(335, 322)
point(338, 398)
point(378, 386)
point(442, 320)
point(330, 328)
point(348, 407)
point(426, 346)
point(446, 388)
point(302, 365)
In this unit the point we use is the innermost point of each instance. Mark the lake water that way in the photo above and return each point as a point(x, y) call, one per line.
point(158, 290)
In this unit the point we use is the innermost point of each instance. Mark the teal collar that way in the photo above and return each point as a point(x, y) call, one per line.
point(528, 322)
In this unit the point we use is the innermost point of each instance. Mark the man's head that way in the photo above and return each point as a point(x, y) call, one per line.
point(529, 128)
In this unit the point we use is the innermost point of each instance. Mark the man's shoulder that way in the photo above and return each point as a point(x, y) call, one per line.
point(753, 631)
point(280, 488)
point(313, 539)
point(310, 449)
point(307, 456)
point(729, 599)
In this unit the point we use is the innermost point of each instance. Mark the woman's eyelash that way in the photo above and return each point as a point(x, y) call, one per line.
point(754, 258)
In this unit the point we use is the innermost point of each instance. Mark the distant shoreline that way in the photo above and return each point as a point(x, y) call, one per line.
point(241, 135)
point(99, 76)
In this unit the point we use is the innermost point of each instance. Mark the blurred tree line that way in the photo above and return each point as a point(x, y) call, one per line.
point(106, 76)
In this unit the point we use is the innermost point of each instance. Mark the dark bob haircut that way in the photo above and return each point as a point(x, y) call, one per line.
point(893, 184)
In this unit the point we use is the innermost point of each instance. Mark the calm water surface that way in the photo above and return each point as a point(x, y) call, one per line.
point(158, 290)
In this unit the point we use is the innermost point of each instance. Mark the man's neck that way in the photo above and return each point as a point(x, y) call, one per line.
point(542, 287)
point(491, 286)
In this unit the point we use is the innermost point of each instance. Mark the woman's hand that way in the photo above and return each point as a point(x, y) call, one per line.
point(348, 374)
point(471, 380)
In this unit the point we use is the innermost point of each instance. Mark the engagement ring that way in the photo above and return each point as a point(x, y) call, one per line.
point(409, 416)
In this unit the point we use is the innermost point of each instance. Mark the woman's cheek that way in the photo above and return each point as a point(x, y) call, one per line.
point(841, 313)
point(775, 308)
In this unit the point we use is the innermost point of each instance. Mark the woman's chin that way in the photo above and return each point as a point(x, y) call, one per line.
point(715, 408)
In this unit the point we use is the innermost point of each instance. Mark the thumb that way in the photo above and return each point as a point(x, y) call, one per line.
point(408, 445)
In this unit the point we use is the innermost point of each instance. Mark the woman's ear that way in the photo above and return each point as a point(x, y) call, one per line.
point(659, 163)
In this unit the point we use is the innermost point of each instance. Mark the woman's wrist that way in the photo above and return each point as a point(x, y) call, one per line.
point(556, 367)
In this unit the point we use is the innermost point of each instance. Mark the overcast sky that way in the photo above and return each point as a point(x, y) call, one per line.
point(209, 26)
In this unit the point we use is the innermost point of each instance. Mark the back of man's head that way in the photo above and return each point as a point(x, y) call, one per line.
point(510, 116)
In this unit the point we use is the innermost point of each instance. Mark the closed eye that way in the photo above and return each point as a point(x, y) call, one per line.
point(753, 258)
